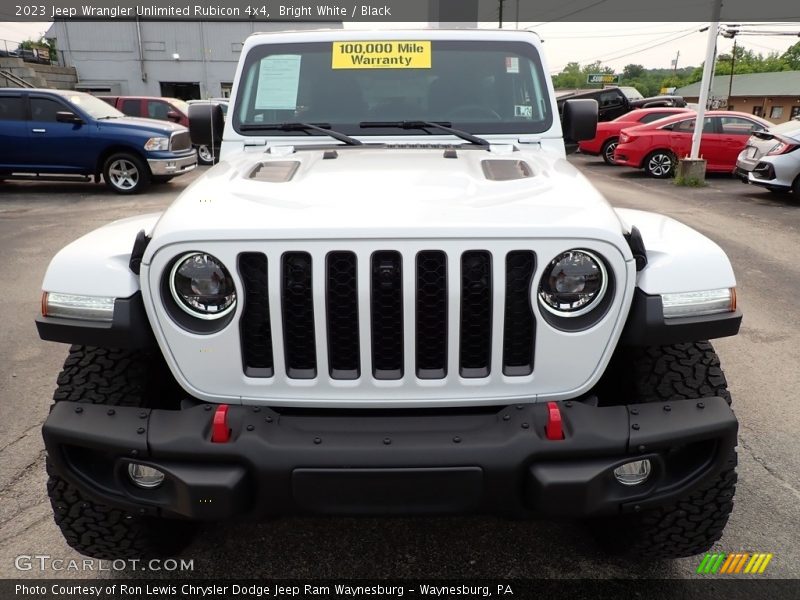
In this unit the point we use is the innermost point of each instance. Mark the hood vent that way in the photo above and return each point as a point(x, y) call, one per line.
point(277, 171)
point(506, 170)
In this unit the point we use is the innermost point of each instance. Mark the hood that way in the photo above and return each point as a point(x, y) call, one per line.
point(149, 125)
point(389, 192)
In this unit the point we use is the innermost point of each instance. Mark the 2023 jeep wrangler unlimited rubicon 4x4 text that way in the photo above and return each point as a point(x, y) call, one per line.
point(393, 295)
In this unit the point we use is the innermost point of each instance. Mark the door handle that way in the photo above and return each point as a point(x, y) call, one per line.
point(39, 130)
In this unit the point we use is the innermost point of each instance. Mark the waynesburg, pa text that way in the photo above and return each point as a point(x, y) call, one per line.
point(73, 591)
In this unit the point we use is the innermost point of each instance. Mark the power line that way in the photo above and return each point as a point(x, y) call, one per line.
point(607, 58)
point(569, 14)
point(582, 36)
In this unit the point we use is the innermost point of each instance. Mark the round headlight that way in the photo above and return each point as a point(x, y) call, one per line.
point(202, 286)
point(573, 283)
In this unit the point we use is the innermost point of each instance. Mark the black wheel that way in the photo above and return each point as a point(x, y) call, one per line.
point(692, 524)
point(796, 187)
point(205, 155)
point(660, 164)
point(116, 378)
point(163, 178)
point(126, 173)
point(607, 151)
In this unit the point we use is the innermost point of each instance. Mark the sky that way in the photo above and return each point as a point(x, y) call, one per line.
point(653, 45)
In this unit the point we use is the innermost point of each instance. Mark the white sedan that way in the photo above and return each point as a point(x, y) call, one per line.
point(771, 158)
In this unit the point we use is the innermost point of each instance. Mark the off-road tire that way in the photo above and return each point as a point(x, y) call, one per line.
point(114, 378)
point(607, 151)
point(692, 524)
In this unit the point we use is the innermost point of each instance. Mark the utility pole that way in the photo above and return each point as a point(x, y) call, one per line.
point(708, 68)
point(675, 64)
point(730, 81)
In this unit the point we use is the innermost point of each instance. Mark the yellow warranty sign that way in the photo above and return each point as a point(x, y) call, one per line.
point(392, 54)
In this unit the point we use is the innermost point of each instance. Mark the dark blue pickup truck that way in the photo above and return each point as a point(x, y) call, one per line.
point(51, 133)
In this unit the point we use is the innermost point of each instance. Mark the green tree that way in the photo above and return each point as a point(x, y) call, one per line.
point(49, 43)
point(630, 72)
point(791, 58)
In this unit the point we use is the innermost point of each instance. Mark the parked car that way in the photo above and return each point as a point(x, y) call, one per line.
point(209, 154)
point(369, 311)
point(605, 142)
point(161, 109)
point(616, 101)
point(64, 133)
point(151, 107)
point(657, 146)
point(771, 158)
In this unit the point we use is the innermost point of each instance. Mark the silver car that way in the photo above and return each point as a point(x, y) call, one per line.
point(771, 158)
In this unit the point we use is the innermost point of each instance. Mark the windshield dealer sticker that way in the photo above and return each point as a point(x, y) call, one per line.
point(512, 64)
point(278, 79)
point(381, 55)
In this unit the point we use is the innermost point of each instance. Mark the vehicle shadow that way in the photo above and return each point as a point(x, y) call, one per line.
point(16, 189)
point(451, 547)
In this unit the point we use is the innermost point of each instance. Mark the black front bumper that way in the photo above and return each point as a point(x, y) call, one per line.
point(391, 462)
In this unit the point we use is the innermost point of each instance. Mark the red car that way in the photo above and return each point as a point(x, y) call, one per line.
point(605, 141)
point(656, 147)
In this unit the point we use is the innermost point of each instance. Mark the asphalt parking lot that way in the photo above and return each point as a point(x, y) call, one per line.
point(757, 229)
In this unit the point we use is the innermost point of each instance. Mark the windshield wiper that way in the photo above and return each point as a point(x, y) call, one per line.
point(319, 127)
point(441, 125)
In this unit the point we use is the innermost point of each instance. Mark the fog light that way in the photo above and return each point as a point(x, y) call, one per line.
point(633, 473)
point(144, 476)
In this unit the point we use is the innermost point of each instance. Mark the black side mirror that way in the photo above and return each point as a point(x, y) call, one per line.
point(66, 116)
point(206, 123)
point(579, 121)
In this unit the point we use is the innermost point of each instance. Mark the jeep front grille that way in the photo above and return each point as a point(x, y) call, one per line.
point(180, 141)
point(383, 289)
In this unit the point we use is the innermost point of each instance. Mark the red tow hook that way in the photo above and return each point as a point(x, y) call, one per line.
point(554, 429)
point(220, 432)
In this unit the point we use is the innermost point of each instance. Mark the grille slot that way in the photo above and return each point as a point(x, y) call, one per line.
point(180, 141)
point(255, 327)
point(387, 315)
point(341, 302)
point(431, 315)
point(475, 352)
point(519, 326)
point(369, 315)
point(297, 304)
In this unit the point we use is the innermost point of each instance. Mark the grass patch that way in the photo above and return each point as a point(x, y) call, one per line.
point(694, 182)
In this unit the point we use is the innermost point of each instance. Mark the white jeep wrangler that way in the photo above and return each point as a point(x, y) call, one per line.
point(393, 295)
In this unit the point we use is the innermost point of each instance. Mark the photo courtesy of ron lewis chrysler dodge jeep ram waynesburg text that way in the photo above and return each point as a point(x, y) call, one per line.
point(393, 295)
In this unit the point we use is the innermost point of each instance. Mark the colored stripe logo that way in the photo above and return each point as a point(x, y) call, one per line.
point(734, 563)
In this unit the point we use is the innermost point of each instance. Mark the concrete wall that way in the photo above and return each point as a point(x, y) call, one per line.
point(39, 75)
point(109, 54)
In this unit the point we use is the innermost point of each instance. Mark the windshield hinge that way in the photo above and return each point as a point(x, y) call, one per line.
point(254, 143)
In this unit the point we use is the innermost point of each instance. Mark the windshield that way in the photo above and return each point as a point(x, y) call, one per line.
point(631, 93)
point(93, 106)
point(477, 86)
point(180, 105)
